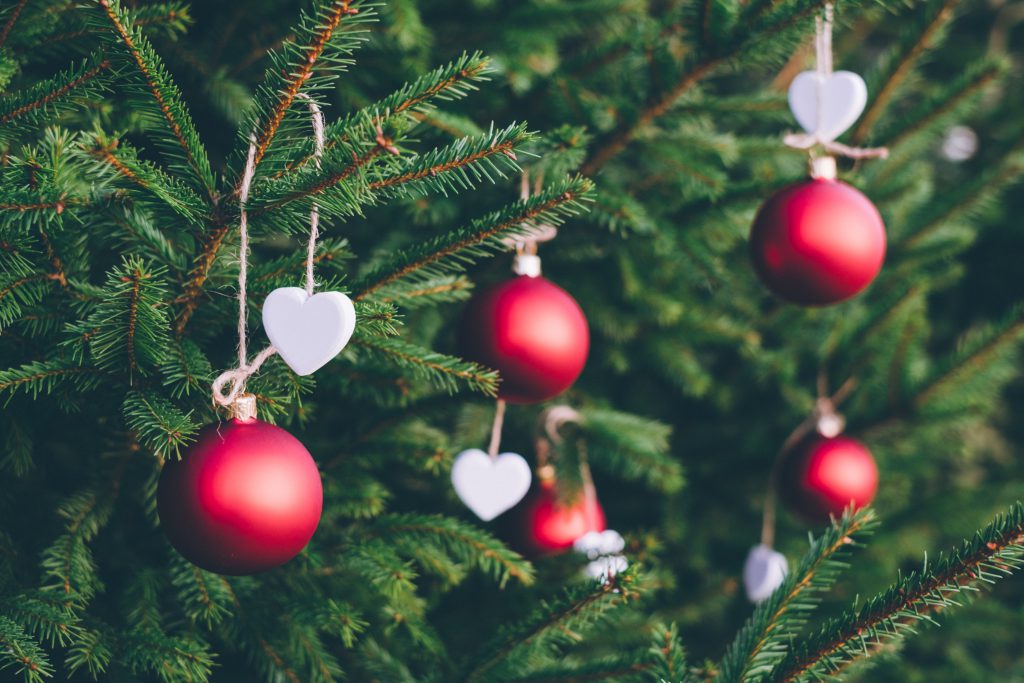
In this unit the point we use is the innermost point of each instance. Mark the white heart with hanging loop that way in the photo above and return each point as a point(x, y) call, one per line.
point(826, 106)
point(489, 486)
point(308, 331)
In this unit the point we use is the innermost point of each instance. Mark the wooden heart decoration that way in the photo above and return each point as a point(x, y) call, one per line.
point(826, 106)
point(489, 486)
point(308, 331)
point(764, 571)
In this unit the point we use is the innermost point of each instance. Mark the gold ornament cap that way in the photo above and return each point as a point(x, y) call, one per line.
point(243, 408)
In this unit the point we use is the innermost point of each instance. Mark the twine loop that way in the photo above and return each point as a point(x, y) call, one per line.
point(230, 384)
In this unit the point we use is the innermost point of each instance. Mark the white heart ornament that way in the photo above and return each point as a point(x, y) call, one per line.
point(489, 486)
point(764, 571)
point(826, 106)
point(308, 331)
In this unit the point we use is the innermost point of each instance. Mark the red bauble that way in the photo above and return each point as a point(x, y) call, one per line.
point(532, 332)
point(823, 476)
point(548, 527)
point(245, 498)
point(818, 242)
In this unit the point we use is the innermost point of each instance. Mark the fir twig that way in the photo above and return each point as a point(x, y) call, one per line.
point(766, 636)
point(994, 552)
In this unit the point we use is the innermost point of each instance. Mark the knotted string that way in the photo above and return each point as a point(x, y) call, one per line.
point(823, 66)
point(230, 384)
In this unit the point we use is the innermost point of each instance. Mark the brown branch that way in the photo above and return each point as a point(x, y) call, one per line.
point(979, 356)
point(55, 260)
point(482, 378)
point(627, 131)
point(882, 99)
point(611, 586)
point(14, 383)
point(963, 573)
point(341, 9)
point(504, 148)
point(455, 286)
point(462, 244)
point(133, 315)
point(6, 31)
point(980, 83)
point(59, 92)
point(154, 89)
point(58, 206)
point(200, 272)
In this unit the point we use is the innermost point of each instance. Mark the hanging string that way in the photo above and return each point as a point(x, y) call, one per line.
point(824, 419)
point(230, 384)
point(526, 242)
point(499, 421)
point(314, 213)
point(823, 66)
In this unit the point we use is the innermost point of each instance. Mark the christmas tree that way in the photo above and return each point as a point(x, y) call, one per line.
point(137, 137)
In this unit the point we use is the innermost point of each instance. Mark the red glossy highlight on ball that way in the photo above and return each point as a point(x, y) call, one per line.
point(245, 498)
point(818, 242)
point(532, 332)
point(824, 476)
point(550, 527)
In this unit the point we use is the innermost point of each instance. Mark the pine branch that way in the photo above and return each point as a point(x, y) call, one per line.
point(901, 70)
point(577, 606)
point(993, 553)
point(767, 635)
point(625, 133)
point(663, 102)
point(973, 360)
point(158, 423)
point(22, 653)
point(447, 83)
point(465, 543)
point(452, 252)
point(118, 161)
point(43, 377)
point(11, 21)
point(128, 330)
point(212, 242)
point(966, 88)
point(442, 169)
point(39, 102)
point(326, 22)
point(166, 96)
point(444, 371)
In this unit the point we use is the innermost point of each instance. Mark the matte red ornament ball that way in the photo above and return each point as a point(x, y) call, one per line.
point(549, 527)
point(823, 476)
point(245, 498)
point(532, 332)
point(818, 242)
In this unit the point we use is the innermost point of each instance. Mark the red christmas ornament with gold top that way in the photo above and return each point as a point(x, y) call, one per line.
point(528, 329)
point(818, 242)
point(245, 498)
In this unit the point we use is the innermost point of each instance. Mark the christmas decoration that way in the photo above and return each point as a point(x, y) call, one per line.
point(763, 572)
point(604, 550)
point(549, 526)
point(528, 329)
point(245, 498)
point(308, 331)
point(818, 242)
point(823, 476)
point(490, 485)
point(825, 105)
